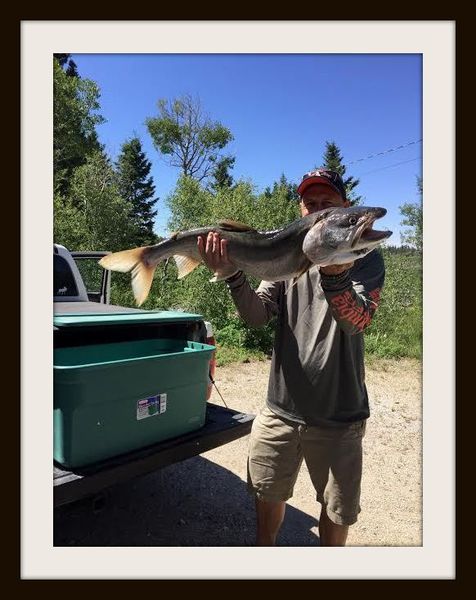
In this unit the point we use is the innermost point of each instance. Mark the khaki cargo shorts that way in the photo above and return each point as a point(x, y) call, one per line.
point(333, 456)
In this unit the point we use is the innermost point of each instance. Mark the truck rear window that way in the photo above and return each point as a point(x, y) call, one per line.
point(63, 279)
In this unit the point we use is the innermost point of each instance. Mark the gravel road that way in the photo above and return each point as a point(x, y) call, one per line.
point(203, 500)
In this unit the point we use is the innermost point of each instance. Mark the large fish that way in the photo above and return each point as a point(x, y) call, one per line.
point(330, 236)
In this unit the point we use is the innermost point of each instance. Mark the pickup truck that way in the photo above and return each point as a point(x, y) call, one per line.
point(82, 289)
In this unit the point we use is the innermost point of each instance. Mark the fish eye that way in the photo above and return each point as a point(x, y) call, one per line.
point(352, 220)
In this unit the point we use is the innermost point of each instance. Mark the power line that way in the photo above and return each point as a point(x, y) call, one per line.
point(352, 162)
point(389, 166)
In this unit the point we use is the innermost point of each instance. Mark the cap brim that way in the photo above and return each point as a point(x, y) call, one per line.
point(313, 180)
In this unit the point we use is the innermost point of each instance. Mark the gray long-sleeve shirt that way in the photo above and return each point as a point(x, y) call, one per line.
point(317, 372)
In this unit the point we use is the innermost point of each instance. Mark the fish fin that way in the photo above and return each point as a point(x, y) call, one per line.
point(185, 265)
point(142, 277)
point(123, 261)
point(296, 279)
point(132, 260)
point(229, 225)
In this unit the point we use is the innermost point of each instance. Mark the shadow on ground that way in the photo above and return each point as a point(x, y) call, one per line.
point(193, 503)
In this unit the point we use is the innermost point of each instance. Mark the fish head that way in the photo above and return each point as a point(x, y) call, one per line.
point(342, 235)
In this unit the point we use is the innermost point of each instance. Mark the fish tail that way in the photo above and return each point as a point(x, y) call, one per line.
point(135, 261)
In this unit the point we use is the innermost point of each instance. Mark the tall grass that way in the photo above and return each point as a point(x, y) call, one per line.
point(396, 329)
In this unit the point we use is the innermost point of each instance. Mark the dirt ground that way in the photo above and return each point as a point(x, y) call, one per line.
point(203, 500)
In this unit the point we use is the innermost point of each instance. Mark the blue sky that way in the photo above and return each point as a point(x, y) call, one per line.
point(281, 109)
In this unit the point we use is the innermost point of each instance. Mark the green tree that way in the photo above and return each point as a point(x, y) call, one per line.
point(221, 173)
point(413, 221)
point(136, 186)
point(189, 205)
point(290, 189)
point(75, 102)
point(333, 160)
point(68, 64)
point(95, 203)
point(187, 136)
point(69, 224)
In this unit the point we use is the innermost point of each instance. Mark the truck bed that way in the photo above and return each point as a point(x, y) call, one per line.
point(222, 425)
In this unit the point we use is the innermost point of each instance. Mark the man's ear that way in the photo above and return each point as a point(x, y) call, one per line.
point(347, 204)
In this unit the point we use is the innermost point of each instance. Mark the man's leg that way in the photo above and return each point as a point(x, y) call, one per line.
point(330, 533)
point(334, 460)
point(274, 459)
point(269, 516)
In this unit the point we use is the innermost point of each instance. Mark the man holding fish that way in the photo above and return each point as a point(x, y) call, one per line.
point(321, 278)
point(317, 404)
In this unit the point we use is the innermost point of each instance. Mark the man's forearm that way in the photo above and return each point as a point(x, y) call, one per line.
point(353, 310)
point(255, 307)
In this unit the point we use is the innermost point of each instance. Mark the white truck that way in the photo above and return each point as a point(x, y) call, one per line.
point(82, 296)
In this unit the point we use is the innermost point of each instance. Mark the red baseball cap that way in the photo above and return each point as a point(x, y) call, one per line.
point(322, 175)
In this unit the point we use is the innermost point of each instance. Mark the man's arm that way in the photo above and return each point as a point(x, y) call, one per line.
point(354, 294)
point(256, 308)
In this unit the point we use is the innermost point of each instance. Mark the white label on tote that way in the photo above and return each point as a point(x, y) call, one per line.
point(152, 406)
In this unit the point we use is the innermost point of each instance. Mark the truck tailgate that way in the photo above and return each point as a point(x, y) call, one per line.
point(222, 425)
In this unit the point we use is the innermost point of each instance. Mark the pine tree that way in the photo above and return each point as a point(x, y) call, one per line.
point(283, 184)
point(221, 173)
point(290, 188)
point(333, 160)
point(137, 188)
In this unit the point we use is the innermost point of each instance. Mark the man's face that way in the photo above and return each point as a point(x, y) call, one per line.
point(319, 196)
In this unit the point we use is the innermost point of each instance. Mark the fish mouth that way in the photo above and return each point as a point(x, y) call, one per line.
point(365, 235)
